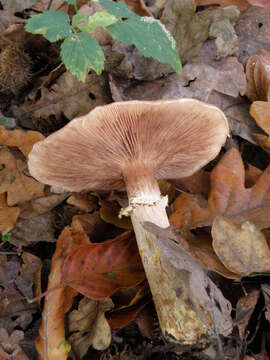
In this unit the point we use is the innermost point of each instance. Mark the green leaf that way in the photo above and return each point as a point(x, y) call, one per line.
point(71, 2)
point(88, 23)
point(53, 25)
point(119, 9)
point(150, 37)
point(6, 237)
point(79, 52)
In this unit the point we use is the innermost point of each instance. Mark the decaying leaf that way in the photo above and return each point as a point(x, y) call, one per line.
point(32, 230)
point(244, 309)
point(253, 32)
point(51, 344)
point(198, 289)
point(8, 215)
point(36, 207)
point(83, 202)
point(138, 6)
point(260, 110)
point(241, 4)
point(24, 140)
point(257, 69)
point(10, 345)
point(15, 180)
point(191, 29)
point(242, 249)
point(109, 212)
point(98, 270)
point(228, 196)
point(65, 96)
point(89, 326)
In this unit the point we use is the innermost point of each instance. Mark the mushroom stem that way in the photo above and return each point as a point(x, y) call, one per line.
point(169, 286)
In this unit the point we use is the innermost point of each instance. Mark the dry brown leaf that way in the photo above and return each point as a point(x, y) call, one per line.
point(24, 140)
point(241, 4)
point(83, 202)
point(244, 309)
point(198, 183)
point(14, 180)
point(260, 110)
point(41, 205)
point(242, 249)
point(138, 6)
point(8, 218)
point(89, 326)
point(65, 96)
point(10, 345)
point(201, 248)
point(228, 196)
point(51, 344)
point(109, 212)
point(257, 69)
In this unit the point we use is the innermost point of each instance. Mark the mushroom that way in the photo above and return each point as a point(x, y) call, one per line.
point(137, 143)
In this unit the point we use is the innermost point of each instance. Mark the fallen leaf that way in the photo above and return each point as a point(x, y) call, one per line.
point(253, 30)
point(257, 69)
point(83, 202)
point(10, 345)
point(28, 280)
point(228, 196)
point(138, 6)
point(51, 344)
point(200, 246)
point(242, 249)
point(191, 29)
point(89, 326)
point(197, 288)
point(260, 110)
point(198, 183)
point(98, 270)
point(241, 4)
point(259, 3)
point(244, 309)
point(8, 218)
point(41, 205)
point(33, 230)
point(24, 140)
point(17, 5)
point(65, 96)
point(109, 212)
point(15, 180)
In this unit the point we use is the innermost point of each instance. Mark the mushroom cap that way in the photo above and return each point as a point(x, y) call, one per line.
point(171, 138)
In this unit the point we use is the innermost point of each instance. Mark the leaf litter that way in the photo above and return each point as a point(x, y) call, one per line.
point(78, 244)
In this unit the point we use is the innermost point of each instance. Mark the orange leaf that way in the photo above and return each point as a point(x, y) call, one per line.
point(228, 196)
point(24, 140)
point(51, 344)
point(138, 6)
point(98, 270)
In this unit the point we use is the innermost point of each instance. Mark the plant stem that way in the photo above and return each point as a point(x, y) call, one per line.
point(49, 5)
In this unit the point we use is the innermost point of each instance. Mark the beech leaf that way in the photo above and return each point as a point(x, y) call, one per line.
point(99, 270)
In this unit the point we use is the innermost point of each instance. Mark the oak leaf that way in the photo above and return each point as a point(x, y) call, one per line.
point(24, 140)
point(10, 345)
point(51, 344)
point(14, 180)
point(89, 326)
point(228, 196)
point(260, 110)
point(8, 215)
point(242, 249)
point(99, 270)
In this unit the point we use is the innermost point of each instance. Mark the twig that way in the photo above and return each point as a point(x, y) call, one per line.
point(49, 5)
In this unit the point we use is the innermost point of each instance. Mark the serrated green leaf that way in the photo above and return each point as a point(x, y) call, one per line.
point(119, 9)
point(79, 52)
point(150, 37)
point(53, 25)
point(88, 23)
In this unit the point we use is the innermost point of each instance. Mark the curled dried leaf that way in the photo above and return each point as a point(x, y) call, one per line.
point(258, 76)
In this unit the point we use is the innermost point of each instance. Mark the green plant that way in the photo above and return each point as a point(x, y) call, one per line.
point(6, 237)
point(80, 51)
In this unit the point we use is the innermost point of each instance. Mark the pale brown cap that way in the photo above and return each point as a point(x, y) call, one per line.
point(172, 138)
